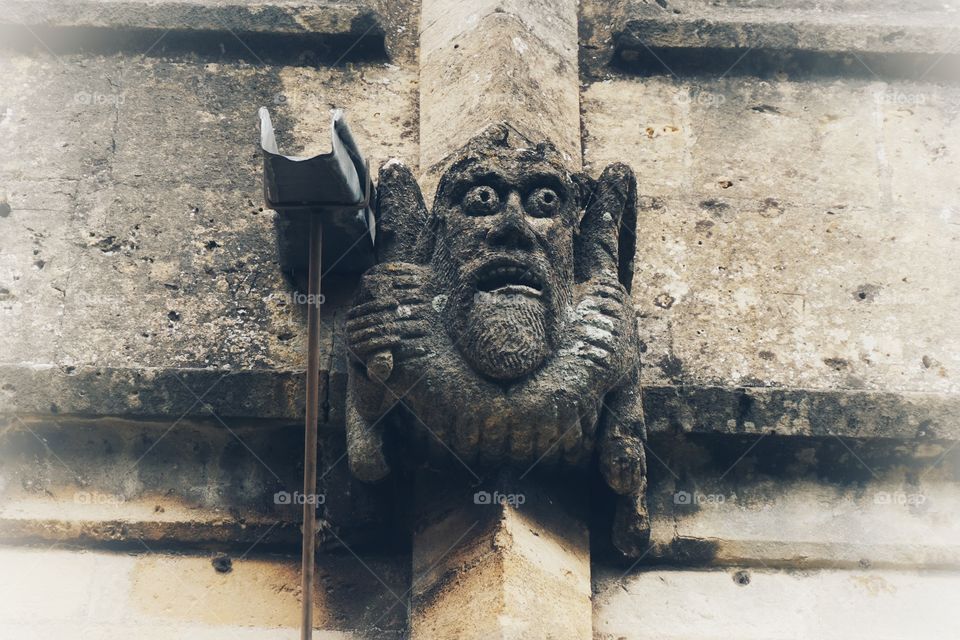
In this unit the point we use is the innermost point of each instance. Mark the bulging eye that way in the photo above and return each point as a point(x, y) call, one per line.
point(542, 202)
point(481, 201)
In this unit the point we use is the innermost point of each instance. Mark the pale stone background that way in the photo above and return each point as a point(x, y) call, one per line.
point(796, 276)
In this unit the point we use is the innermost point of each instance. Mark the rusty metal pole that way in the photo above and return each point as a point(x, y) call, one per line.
point(310, 429)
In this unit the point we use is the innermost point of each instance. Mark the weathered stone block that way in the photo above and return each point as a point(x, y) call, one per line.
point(499, 560)
point(762, 604)
point(784, 258)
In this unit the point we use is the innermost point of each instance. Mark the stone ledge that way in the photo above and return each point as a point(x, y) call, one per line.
point(250, 16)
point(913, 28)
point(176, 484)
point(145, 393)
point(271, 398)
point(803, 412)
point(346, 22)
point(766, 522)
point(775, 29)
point(126, 533)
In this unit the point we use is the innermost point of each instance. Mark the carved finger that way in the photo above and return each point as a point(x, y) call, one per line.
point(598, 244)
point(403, 328)
point(408, 287)
point(493, 433)
point(616, 293)
point(375, 319)
point(402, 214)
point(465, 437)
point(571, 441)
point(606, 306)
point(383, 283)
point(374, 306)
point(437, 446)
point(386, 321)
point(520, 443)
point(589, 420)
point(381, 343)
point(547, 436)
point(395, 269)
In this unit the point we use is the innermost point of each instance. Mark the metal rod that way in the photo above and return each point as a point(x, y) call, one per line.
point(310, 429)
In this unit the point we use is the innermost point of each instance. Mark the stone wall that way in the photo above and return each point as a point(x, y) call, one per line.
point(797, 245)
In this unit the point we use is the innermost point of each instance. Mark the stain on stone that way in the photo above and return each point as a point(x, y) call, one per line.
point(928, 362)
point(714, 206)
point(771, 208)
point(108, 245)
point(767, 355)
point(745, 404)
point(4, 208)
point(664, 300)
point(837, 364)
point(703, 225)
point(765, 108)
point(894, 35)
point(672, 367)
point(693, 551)
point(866, 292)
point(5, 294)
point(222, 563)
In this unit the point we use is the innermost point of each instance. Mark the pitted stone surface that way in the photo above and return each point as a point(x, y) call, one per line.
point(794, 234)
point(136, 239)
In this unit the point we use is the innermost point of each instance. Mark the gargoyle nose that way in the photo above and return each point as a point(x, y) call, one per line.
point(510, 230)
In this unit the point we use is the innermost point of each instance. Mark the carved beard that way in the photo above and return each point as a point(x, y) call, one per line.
point(505, 336)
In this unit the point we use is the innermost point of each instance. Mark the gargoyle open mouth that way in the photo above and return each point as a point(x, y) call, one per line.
point(509, 277)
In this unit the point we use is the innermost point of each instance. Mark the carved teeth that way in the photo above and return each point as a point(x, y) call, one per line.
point(509, 279)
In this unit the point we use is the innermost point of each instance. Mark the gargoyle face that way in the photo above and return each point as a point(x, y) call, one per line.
point(504, 251)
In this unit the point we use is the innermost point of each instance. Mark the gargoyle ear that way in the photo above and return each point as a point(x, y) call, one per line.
point(607, 234)
point(401, 214)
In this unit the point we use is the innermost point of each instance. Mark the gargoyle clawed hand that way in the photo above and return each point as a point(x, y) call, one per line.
point(499, 326)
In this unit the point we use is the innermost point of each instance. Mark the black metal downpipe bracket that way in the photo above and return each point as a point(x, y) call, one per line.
point(336, 186)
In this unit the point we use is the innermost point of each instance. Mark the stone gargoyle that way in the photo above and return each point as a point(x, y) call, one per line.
point(498, 327)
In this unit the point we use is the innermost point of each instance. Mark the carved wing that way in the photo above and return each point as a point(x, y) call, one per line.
point(607, 235)
point(401, 215)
